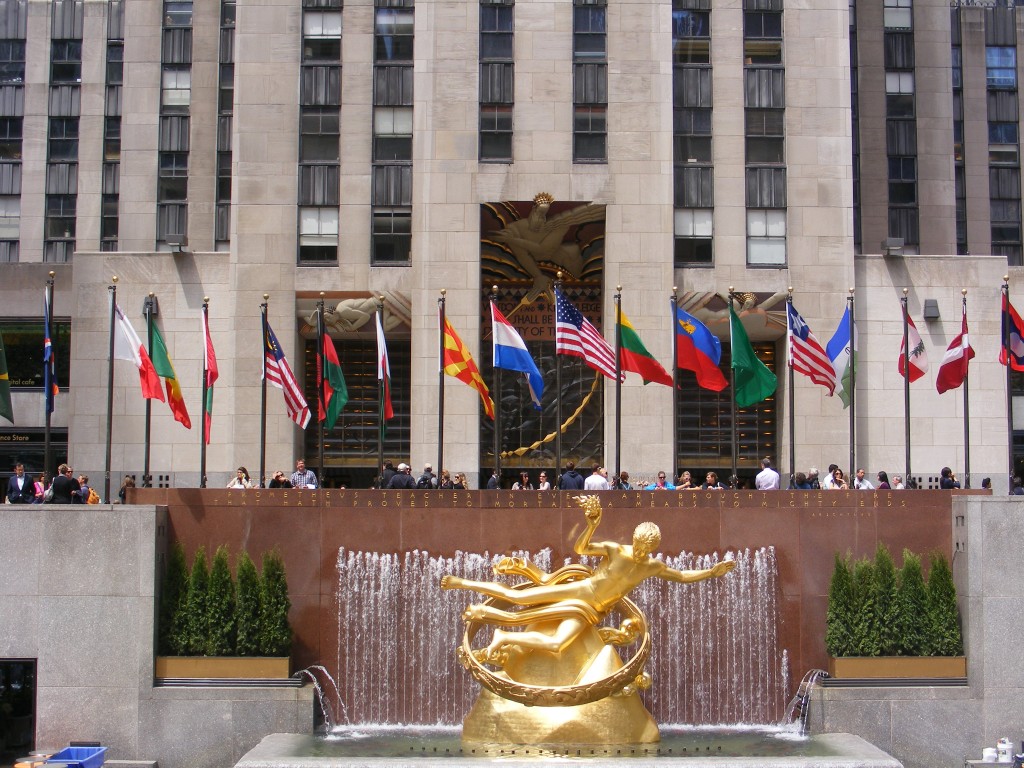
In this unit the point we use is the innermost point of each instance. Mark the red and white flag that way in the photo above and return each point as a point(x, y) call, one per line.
point(953, 370)
point(918, 355)
point(383, 372)
point(128, 346)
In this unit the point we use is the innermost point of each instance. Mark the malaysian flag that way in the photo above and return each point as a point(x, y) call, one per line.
point(279, 373)
point(576, 336)
point(806, 355)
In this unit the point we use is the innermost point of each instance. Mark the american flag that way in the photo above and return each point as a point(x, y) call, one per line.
point(576, 336)
point(806, 355)
point(279, 373)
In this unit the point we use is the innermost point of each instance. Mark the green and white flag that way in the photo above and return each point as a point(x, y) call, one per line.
point(843, 357)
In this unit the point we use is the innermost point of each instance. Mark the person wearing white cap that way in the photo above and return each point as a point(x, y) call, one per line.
point(402, 479)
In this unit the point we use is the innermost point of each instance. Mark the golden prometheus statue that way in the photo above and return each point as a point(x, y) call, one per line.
point(560, 679)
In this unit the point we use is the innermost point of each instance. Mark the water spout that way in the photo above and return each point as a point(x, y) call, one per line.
point(315, 674)
point(798, 710)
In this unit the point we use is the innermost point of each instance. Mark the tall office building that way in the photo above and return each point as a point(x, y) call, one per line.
point(370, 153)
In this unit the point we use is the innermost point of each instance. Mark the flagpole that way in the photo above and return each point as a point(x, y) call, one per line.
point(618, 381)
point(263, 397)
point(792, 396)
point(147, 309)
point(853, 386)
point(321, 392)
point(112, 291)
point(48, 381)
point(675, 381)
point(380, 394)
point(202, 432)
point(496, 388)
point(558, 393)
point(967, 418)
point(732, 404)
point(906, 384)
point(440, 383)
point(1009, 368)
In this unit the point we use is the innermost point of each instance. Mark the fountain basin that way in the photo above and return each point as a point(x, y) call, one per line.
point(378, 746)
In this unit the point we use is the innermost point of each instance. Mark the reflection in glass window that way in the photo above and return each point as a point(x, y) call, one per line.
point(1001, 66)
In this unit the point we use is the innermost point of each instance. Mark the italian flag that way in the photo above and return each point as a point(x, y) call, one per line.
point(635, 357)
point(128, 346)
point(165, 368)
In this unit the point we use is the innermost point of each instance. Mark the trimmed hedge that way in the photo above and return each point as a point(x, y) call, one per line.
point(206, 611)
point(875, 610)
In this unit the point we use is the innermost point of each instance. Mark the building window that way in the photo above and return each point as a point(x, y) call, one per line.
point(112, 139)
point(177, 90)
point(898, 14)
point(691, 36)
point(590, 134)
point(66, 61)
point(766, 238)
point(10, 217)
point(318, 234)
point(1001, 66)
point(321, 36)
point(63, 143)
point(497, 82)
point(899, 94)
point(392, 236)
point(177, 13)
point(392, 134)
point(393, 40)
point(108, 222)
point(12, 62)
point(693, 237)
point(902, 180)
point(10, 138)
point(590, 34)
point(765, 136)
point(590, 82)
point(496, 132)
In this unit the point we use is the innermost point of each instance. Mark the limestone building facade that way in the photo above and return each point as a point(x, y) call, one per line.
point(356, 149)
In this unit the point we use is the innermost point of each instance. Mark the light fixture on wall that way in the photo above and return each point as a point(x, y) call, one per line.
point(177, 242)
point(892, 246)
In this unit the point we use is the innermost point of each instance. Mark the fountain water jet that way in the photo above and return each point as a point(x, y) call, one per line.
point(716, 660)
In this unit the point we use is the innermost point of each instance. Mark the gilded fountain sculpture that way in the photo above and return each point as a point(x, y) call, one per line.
point(560, 678)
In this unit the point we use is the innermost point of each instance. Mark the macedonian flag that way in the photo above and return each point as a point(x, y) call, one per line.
point(459, 363)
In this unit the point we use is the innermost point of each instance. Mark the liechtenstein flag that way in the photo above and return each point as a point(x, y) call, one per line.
point(510, 353)
point(698, 350)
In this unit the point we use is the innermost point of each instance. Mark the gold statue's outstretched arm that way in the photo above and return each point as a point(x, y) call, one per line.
point(592, 508)
point(688, 577)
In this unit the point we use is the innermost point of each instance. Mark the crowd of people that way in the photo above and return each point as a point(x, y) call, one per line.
point(66, 488)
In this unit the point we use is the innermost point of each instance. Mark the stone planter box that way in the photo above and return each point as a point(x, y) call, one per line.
point(221, 667)
point(852, 667)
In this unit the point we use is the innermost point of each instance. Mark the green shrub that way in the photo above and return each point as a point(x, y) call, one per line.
point(196, 625)
point(220, 607)
point(912, 607)
point(275, 631)
point(865, 626)
point(247, 608)
point(173, 597)
point(886, 622)
point(873, 610)
point(839, 618)
point(944, 638)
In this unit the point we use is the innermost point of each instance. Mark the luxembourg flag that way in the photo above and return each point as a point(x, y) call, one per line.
point(511, 354)
point(128, 346)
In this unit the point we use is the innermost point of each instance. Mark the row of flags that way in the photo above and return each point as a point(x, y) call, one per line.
point(697, 350)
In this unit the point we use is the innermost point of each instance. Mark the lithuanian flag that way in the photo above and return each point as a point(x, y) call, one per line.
point(636, 358)
point(165, 368)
